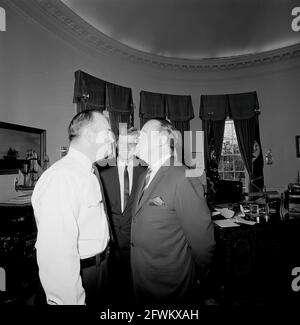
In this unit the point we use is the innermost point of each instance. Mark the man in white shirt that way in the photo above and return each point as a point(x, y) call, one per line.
point(120, 184)
point(73, 232)
point(172, 235)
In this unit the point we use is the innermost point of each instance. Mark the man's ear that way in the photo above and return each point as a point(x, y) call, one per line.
point(88, 135)
point(163, 139)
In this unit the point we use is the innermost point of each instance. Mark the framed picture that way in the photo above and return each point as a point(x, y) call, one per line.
point(15, 142)
point(298, 146)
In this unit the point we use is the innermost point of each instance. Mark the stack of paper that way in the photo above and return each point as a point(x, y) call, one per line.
point(226, 223)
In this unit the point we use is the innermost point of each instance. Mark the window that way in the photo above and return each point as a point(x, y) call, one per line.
point(231, 166)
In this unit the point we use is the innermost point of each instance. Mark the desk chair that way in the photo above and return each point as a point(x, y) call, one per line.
point(228, 192)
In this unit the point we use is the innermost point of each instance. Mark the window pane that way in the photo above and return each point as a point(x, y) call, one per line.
point(228, 176)
point(221, 163)
point(239, 176)
point(238, 163)
point(231, 166)
point(236, 149)
point(228, 163)
point(227, 147)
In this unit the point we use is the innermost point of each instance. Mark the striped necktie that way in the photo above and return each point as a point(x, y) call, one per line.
point(126, 187)
point(146, 182)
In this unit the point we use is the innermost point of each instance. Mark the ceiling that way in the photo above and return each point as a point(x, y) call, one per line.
point(193, 29)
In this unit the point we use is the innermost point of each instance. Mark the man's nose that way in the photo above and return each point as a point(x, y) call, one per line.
point(111, 137)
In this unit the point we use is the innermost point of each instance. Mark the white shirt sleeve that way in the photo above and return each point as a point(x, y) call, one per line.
point(56, 208)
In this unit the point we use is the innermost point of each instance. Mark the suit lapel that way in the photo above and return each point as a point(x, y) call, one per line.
point(135, 177)
point(157, 178)
point(140, 183)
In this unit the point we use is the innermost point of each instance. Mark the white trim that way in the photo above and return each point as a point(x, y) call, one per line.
point(60, 19)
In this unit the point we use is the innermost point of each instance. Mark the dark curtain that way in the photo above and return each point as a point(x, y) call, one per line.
point(181, 126)
point(119, 104)
point(244, 110)
point(213, 132)
point(257, 181)
point(89, 92)
point(213, 112)
point(152, 105)
point(213, 140)
point(179, 111)
point(245, 133)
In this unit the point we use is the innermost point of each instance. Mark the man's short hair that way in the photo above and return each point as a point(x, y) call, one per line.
point(129, 131)
point(79, 121)
point(168, 127)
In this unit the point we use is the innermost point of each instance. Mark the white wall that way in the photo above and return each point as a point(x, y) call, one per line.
point(37, 77)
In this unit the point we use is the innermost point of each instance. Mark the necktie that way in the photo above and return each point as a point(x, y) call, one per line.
point(146, 181)
point(96, 172)
point(126, 187)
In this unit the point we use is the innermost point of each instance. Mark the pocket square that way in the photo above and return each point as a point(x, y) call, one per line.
point(157, 201)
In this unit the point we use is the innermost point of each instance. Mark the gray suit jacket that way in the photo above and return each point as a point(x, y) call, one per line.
point(172, 236)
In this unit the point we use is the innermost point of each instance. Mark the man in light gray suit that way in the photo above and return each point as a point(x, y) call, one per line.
point(172, 239)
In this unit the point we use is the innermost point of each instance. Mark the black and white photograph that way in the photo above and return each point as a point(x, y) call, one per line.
point(148, 168)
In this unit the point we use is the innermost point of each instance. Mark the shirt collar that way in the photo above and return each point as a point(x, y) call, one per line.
point(123, 163)
point(155, 167)
point(81, 158)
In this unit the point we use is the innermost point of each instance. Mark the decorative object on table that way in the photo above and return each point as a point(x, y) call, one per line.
point(298, 146)
point(31, 169)
point(269, 157)
point(63, 151)
point(18, 139)
point(46, 164)
point(11, 154)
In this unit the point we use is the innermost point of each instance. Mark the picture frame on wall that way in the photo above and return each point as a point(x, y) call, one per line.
point(298, 146)
point(15, 141)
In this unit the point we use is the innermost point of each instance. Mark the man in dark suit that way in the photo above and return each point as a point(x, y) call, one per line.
point(120, 184)
point(172, 239)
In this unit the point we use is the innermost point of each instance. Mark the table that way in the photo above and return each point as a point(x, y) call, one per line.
point(253, 264)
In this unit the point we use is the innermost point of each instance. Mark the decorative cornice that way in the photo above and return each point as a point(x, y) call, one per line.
point(58, 14)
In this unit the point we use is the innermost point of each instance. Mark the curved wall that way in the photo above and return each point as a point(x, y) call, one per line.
point(37, 67)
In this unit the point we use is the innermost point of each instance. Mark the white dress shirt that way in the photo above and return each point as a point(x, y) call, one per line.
point(71, 223)
point(155, 167)
point(121, 167)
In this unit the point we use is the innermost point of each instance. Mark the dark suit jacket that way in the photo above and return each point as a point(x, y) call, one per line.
point(120, 221)
point(170, 242)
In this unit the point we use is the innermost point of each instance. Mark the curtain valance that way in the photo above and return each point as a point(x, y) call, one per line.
point(243, 106)
point(90, 90)
point(235, 106)
point(179, 108)
point(118, 98)
point(174, 107)
point(214, 107)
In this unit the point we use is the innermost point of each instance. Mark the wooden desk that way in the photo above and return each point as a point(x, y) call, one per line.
point(253, 264)
point(17, 253)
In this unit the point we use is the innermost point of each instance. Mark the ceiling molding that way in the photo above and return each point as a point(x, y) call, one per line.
point(54, 15)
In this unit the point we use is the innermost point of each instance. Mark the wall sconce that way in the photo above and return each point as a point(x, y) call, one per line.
point(269, 157)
